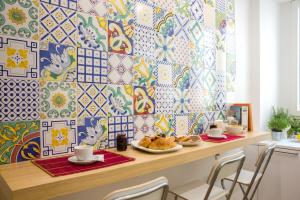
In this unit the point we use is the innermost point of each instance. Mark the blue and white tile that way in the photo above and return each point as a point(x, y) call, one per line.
point(70, 4)
point(57, 24)
point(144, 42)
point(19, 100)
point(164, 75)
point(91, 66)
point(117, 125)
point(181, 26)
point(181, 101)
point(164, 48)
point(196, 104)
point(92, 101)
point(182, 51)
point(209, 58)
point(143, 125)
point(144, 15)
point(20, 58)
point(58, 137)
point(181, 124)
point(93, 132)
point(164, 100)
point(196, 10)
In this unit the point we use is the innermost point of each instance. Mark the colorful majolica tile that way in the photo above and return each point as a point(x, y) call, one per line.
point(57, 24)
point(210, 117)
point(221, 78)
point(181, 76)
point(196, 33)
point(196, 10)
point(181, 27)
point(19, 100)
point(209, 58)
point(19, 141)
point(197, 123)
point(164, 102)
point(164, 124)
point(168, 5)
point(92, 32)
point(221, 115)
point(209, 79)
point(121, 11)
point(58, 137)
point(196, 77)
point(230, 7)
point(220, 100)
point(221, 30)
point(181, 124)
point(93, 132)
point(120, 40)
point(164, 75)
point(20, 58)
point(58, 62)
point(144, 15)
point(143, 125)
point(164, 22)
point(230, 72)
point(120, 125)
point(91, 101)
point(221, 5)
point(144, 42)
point(182, 51)
point(182, 7)
point(93, 7)
point(120, 100)
point(144, 100)
point(209, 38)
point(181, 101)
point(20, 19)
point(144, 72)
point(58, 100)
point(70, 4)
point(119, 69)
point(209, 13)
point(208, 100)
point(164, 48)
point(221, 61)
point(91, 66)
point(196, 104)
point(196, 56)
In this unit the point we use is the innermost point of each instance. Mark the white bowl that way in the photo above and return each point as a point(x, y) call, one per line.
point(234, 130)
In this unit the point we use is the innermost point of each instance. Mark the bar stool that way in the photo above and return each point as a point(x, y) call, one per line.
point(249, 179)
point(196, 190)
point(156, 189)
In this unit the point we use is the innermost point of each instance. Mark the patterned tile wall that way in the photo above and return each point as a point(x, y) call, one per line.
point(79, 72)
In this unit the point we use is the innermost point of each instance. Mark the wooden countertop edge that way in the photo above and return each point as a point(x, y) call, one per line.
point(88, 180)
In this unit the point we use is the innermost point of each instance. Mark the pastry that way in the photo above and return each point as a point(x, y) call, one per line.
point(158, 142)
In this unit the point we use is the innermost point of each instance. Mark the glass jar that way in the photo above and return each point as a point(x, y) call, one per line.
point(121, 142)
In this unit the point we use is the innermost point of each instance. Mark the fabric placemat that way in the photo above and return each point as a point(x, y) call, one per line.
point(205, 138)
point(60, 166)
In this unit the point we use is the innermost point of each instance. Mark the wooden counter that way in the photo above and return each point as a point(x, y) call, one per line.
point(26, 181)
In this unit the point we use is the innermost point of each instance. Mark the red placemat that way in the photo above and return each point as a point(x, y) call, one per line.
point(205, 138)
point(60, 166)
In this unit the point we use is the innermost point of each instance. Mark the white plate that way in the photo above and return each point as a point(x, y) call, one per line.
point(190, 143)
point(135, 144)
point(217, 136)
point(96, 158)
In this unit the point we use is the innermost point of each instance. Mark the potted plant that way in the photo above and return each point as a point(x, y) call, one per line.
point(279, 124)
point(295, 126)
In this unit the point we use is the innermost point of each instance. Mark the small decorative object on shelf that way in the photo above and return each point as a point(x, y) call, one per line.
point(240, 114)
point(121, 142)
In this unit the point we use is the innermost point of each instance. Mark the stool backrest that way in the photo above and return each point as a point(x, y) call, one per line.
point(238, 158)
point(156, 189)
point(261, 166)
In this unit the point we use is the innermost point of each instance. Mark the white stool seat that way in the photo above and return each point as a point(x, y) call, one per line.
point(196, 191)
point(245, 177)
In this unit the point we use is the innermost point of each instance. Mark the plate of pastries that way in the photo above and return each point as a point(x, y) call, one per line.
point(188, 140)
point(157, 144)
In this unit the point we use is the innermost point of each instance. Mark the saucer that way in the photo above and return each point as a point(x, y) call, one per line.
point(217, 136)
point(96, 158)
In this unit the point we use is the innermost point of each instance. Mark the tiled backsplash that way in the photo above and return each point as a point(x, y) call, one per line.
point(80, 71)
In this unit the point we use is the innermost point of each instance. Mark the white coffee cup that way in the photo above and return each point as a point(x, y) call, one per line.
point(84, 152)
point(216, 132)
